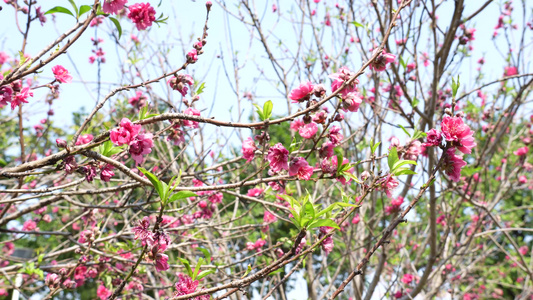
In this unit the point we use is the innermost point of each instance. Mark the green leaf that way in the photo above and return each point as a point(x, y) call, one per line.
point(323, 222)
point(200, 88)
point(165, 188)
point(295, 222)
point(267, 109)
point(309, 210)
point(418, 134)
point(415, 102)
point(142, 112)
point(181, 195)
point(374, 147)
point(187, 266)
point(455, 86)
point(404, 130)
point(351, 176)
point(75, 8)
point(155, 182)
point(357, 24)
point(294, 145)
point(3, 163)
point(393, 157)
point(59, 9)
point(107, 149)
point(326, 210)
point(117, 24)
point(248, 270)
point(469, 171)
point(204, 273)
point(404, 171)
point(339, 163)
point(429, 184)
point(197, 268)
point(281, 270)
point(206, 253)
point(84, 9)
point(403, 63)
point(260, 112)
point(400, 163)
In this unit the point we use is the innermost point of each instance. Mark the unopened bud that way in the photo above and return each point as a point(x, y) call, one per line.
point(61, 143)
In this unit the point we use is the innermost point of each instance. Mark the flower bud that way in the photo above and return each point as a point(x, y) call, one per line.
point(61, 143)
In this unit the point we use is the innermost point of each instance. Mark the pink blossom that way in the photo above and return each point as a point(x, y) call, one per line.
point(351, 102)
point(343, 75)
point(380, 63)
point(522, 179)
point(413, 150)
point(255, 192)
point(510, 71)
point(52, 280)
point(523, 250)
point(29, 225)
point(70, 164)
point(6, 92)
point(326, 150)
point(327, 244)
point(411, 66)
point(84, 139)
point(458, 133)
point(161, 262)
point(191, 111)
point(4, 57)
point(407, 278)
point(142, 14)
point(113, 6)
point(185, 285)
point(335, 136)
point(300, 168)
point(215, 198)
point(278, 157)
point(180, 83)
point(302, 92)
point(308, 130)
point(125, 134)
point(248, 149)
point(434, 137)
point(90, 172)
point(259, 244)
point(192, 56)
point(274, 8)
point(107, 173)
point(296, 124)
point(96, 21)
point(453, 164)
point(334, 165)
point(61, 74)
point(40, 15)
point(521, 151)
point(320, 117)
point(142, 232)
point(356, 219)
point(21, 97)
point(395, 206)
point(102, 292)
point(389, 184)
point(140, 146)
point(139, 100)
point(269, 218)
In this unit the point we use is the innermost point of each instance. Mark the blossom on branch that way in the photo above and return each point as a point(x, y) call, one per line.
point(142, 14)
